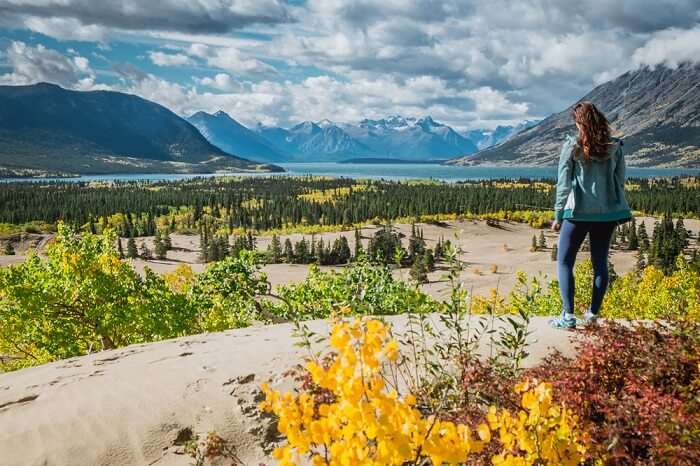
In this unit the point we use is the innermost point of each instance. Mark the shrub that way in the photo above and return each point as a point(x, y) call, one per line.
point(82, 298)
point(366, 288)
point(636, 391)
point(367, 420)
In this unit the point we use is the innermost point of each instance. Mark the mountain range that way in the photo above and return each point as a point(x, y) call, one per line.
point(47, 129)
point(655, 110)
point(393, 138)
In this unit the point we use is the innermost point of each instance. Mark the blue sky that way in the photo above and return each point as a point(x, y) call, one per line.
point(468, 63)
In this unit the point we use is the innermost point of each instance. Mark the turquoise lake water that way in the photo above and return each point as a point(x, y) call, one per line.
point(388, 172)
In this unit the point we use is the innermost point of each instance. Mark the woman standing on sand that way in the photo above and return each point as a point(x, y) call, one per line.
point(590, 201)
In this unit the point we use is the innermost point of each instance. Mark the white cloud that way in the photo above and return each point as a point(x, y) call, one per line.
point(221, 81)
point(231, 60)
point(169, 59)
point(35, 64)
point(670, 47)
point(66, 29)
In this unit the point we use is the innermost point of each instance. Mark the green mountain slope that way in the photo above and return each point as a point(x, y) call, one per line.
point(44, 127)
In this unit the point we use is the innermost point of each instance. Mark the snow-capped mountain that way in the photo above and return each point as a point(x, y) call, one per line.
point(410, 138)
point(226, 133)
point(487, 138)
point(314, 142)
point(394, 137)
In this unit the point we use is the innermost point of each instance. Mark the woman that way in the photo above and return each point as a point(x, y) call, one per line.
point(590, 201)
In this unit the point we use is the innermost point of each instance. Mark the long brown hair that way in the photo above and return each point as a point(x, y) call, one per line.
point(594, 131)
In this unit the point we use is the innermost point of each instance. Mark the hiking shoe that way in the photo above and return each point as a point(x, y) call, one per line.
point(590, 319)
point(564, 322)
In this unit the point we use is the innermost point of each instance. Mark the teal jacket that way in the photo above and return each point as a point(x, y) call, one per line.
point(591, 191)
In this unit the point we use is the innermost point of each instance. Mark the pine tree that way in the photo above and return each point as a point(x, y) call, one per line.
point(643, 237)
point(301, 252)
point(9, 249)
point(419, 270)
point(681, 233)
point(343, 252)
point(359, 250)
point(555, 251)
point(203, 244)
point(131, 251)
point(288, 251)
point(167, 242)
point(159, 246)
point(274, 250)
point(633, 240)
point(145, 252)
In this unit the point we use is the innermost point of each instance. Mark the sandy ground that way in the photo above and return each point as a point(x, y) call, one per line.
point(135, 405)
point(493, 255)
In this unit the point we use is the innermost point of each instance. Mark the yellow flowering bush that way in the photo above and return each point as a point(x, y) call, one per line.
point(369, 423)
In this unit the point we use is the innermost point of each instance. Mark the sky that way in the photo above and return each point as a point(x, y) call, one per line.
point(470, 63)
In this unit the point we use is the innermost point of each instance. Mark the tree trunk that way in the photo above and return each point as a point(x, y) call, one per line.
point(107, 343)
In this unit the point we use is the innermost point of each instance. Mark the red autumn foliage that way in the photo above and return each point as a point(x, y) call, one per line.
point(636, 391)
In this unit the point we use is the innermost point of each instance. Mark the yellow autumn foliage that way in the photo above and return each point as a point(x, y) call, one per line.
point(370, 423)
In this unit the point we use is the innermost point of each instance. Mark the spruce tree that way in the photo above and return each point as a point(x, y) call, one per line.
point(359, 251)
point(145, 252)
point(9, 249)
point(419, 270)
point(633, 240)
point(158, 246)
point(131, 251)
point(167, 242)
point(288, 251)
point(275, 250)
point(643, 237)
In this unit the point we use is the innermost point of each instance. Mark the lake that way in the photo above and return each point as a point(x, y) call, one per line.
point(383, 171)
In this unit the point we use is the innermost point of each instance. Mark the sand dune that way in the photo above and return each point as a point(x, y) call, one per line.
point(136, 405)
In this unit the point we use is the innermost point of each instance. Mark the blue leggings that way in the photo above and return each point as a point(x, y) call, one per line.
point(570, 239)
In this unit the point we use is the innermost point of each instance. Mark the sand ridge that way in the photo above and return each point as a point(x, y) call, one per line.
point(136, 405)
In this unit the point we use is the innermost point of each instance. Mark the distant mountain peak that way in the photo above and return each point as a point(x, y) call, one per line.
point(101, 132)
point(655, 108)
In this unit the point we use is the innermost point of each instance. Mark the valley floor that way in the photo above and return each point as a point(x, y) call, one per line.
point(493, 255)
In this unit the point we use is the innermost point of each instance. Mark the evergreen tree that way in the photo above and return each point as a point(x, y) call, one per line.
point(643, 237)
point(542, 242)
point(288, 251)
point(383, 245)
point(301, 252)
point(167, 242)
point(555, 251)
point(359, 251)
point(342, 251)
point(274, 250)
point(641, 261)
point(533, 245)
point(681, 233)
point(419, 270)
point(131, 251)
point(204, 244)
point(9, 249)
point(633, 240)
point(145, 252)
point(159, 246)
